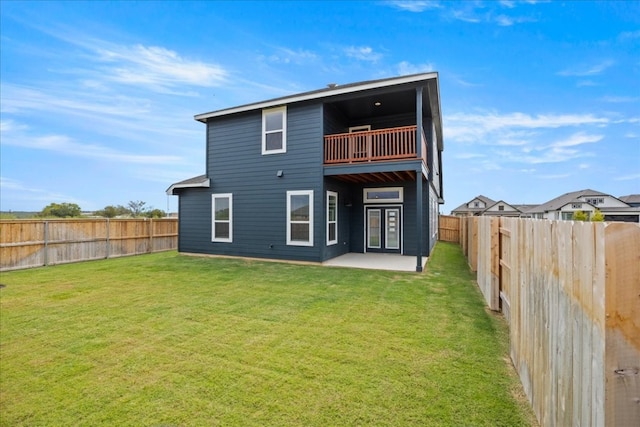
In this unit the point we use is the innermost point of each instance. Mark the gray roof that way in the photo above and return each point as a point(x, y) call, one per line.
point(631, 199)
point(463, 207)
point(196, 181)
point(558, 202)
point(325, 92)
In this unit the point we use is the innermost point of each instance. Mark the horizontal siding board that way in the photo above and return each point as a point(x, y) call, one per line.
point(237, 166)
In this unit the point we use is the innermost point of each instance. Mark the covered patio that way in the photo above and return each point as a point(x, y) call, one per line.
point(375, 261)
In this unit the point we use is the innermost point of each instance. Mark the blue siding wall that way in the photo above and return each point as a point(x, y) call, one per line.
point(236, 165)
point(194, 216)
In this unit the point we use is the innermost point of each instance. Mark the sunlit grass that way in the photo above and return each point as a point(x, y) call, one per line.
point(165, 339)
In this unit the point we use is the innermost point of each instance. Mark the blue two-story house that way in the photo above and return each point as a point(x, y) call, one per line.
point(311, 176)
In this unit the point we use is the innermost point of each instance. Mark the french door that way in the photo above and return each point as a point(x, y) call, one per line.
point(384, 229)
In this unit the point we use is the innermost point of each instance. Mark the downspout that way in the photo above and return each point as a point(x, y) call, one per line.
point(420, 231)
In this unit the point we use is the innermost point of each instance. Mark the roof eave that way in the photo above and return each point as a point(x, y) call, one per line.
point(338, 90)
point(203, 184)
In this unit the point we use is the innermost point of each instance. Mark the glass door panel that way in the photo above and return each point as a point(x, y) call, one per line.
point(374, 228)
point(392, 229)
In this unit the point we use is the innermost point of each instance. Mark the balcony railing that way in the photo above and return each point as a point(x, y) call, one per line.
point(373, 145)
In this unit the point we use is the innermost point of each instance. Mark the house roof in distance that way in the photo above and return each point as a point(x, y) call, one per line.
point(487, 201)
point(560, 201)
point(631, 199)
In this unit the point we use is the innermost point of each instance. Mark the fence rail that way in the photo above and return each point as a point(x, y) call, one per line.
point(36, 243)
point(570, 292)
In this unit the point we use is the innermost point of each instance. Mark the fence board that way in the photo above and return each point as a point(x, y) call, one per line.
point(622, 325)
point(570, 295)
point(35, 243)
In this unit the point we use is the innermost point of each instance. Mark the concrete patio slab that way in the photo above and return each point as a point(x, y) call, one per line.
point(374, 261)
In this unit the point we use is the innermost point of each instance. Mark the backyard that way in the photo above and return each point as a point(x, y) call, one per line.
point(172, 340)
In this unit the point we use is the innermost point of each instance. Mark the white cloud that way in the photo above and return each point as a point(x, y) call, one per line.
point(465, 16)
point(635, 176)
point(629, 35)
point(586, 70)
point(68, 146)
point(113, 114)
point(362, 53)
point(416, 6)
point(473, 127)
point(22, 192)
point(525, 138)
point(621, 99)
point(283, 55)
point(466, 156)
point(577, 139)
point(586, 83)
point(157, 67)
point(405, 68)
point(555, 176)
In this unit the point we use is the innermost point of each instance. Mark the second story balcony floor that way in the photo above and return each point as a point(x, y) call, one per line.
point(380, 145)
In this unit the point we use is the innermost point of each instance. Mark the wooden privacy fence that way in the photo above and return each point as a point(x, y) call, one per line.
point(35, 243)
point(449, 228)
point(570, 292)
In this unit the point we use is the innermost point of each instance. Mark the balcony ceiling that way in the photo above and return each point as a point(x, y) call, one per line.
point(377, 177)
point(391, 103)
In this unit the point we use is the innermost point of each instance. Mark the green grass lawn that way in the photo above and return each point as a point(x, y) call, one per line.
point(171, 340)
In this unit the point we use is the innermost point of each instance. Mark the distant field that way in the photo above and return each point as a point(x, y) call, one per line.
point(17, 215)
point(173, 340)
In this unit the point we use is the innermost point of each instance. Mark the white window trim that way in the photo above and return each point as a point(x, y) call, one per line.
point(284, 130)
point(289, 222)
point(213, 217)
point(366, 199)
point(332, 242)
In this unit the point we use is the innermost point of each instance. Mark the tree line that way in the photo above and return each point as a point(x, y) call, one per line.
point(134, 209)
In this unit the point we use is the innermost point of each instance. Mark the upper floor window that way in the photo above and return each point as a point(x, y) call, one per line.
point(595, 200)
point(500, 207)
point(274, 130)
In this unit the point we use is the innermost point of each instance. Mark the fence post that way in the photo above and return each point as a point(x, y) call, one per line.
point(46, 243)
point(150, 235)
point(108, 248)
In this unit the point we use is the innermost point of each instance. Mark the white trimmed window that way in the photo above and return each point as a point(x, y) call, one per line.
point(300, 218)
point(332, 218)
point(222, 217)
point(274, 130)
point(383, 195)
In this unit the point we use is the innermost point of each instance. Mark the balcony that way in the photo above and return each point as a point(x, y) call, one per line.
point(373, 146)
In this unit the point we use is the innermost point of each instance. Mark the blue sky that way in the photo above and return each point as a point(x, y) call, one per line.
point(97, 98)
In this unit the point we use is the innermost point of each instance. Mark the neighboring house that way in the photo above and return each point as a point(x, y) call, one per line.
point(473, 207)
point(311, 176)
point(587, 201)
point(481, 205)
point(632, 200)
point(502, 208)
